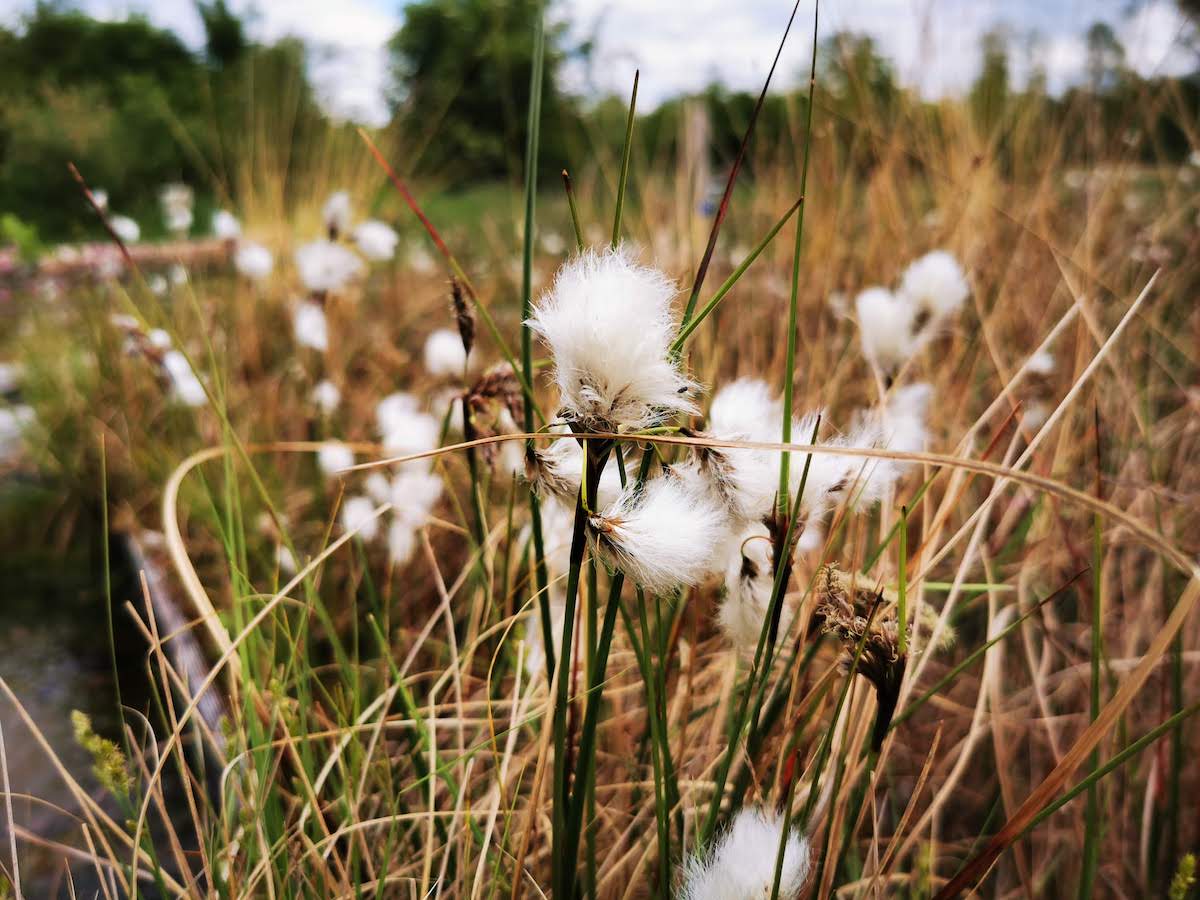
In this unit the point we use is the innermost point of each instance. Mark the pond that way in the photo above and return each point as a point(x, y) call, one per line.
point(55, 656)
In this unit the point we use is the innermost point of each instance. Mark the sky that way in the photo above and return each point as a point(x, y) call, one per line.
point(683, 45)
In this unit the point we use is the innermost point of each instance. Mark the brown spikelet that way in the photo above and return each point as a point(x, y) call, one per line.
point(856, 616)
point(463, 316)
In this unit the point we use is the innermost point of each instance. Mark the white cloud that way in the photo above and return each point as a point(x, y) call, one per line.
point(1154, 40)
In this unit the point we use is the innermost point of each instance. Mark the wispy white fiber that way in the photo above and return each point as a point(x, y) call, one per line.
point(741, 866)
point(252, 260)
point(749, 579)
point(225, 225)
point(445, 355)
point(376, 240)
point(334, 456)
point(337, 213)
point(935, 284)
point(666, 534)
point(126, 228)
point(326, 266)
point(886, 328)
point(326, 396)
point(310, 326)
point(185, 386)
point(608, 324)
point(358, 514)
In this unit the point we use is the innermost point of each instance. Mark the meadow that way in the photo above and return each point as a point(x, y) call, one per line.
point(829, 533)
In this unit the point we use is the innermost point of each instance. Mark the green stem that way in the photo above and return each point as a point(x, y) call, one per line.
point(789, 368)
point(563, 864)
point(690, 325)
point(566, 177)
point(625, 153)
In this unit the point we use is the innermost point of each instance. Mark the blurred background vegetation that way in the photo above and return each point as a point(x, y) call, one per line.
point(135, 108)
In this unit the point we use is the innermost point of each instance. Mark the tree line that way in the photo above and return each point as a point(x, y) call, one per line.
point(135, 108)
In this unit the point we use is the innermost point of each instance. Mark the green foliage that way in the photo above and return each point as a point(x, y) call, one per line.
point(460, 73)
point(108, 761)
point(1185, 877)
point(133, 108)
point(21, 235)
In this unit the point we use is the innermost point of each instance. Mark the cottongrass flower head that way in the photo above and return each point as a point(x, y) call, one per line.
point(886, 328)
point(749, 580)
point(358, 515)
point(404, 429)
point(1041, 363)
point(608, 324)
point(185, 386)
point(445, 355)
point(310, 326)
point(936, 286)
point(325, 267)
point(337, 214)
point(125, 228)
point(745, 410)
point(334, 456)
point(326, 396)
point(662, 534)
point(376, 240)
point(225, 225)
point(415, 492)
point(741, 866)
point(176, 200)
point(903, 420)
point(254, 261)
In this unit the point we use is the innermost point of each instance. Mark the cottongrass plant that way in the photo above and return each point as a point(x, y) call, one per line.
point(709, 665)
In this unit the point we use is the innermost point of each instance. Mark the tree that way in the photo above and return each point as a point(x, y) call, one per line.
point(460, 72)
point(990, 92)
point(1105, 57)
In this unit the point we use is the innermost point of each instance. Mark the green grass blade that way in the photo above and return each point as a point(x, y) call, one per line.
point(623, 182)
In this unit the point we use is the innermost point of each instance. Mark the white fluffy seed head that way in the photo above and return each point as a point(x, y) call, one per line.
point(667, 534)
point(308, 321)
point(445, 355)
point(253, 260)
point(402, 542)
point(394, 410)
point(358, 514)
point(415, 493)
point(902, 422)
point(326, 396)
point(608, 324)
point(337, 212)
point(749, 579)
point(741, 866)
point(185, 386)
point(747, 410)
point(885, 327)
point(376, 240)
point(334, 456)
point(326, 266)
point(225, 225)
point(935, 284)
point(405, 430)
point(1041, 363)
point(126, 229)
